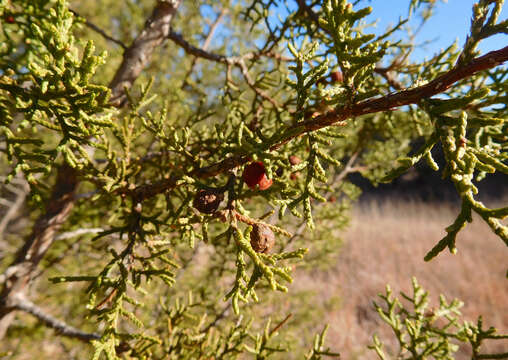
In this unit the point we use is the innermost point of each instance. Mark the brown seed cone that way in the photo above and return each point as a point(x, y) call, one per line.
point(294, 160)
point(262, 238)
point(294, 176)
point(336, 77)
point(208, 201)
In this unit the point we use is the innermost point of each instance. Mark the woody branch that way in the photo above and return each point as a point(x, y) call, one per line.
point(336, 116)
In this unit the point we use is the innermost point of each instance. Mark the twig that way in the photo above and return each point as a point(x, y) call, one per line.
point(206, 44)
point(387, 73)
point(299, 231)
point(78, 232)
point(250, 221)
point(219, 317)
point(279, 325)
point(314, 17)
point(198, 52)
point(106, 300)
point(60, 327)
point(219, 58)
point(97, 29)
point(348, 168)
point(245, 72)
point(238, 61)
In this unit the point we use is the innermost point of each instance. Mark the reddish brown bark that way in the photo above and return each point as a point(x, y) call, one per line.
point(18, 275)
point(338, 115)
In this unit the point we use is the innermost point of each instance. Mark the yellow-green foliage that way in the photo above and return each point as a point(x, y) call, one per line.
point(260, 92)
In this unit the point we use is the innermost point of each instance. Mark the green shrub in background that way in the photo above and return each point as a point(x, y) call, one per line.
point(174, 181)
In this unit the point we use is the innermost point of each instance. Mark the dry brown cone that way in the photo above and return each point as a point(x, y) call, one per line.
point(208, 201)
point(262, 238)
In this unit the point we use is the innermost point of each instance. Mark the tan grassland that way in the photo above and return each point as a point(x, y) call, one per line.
point(386, 243)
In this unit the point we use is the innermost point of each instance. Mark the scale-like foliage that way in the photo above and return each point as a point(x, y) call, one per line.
point(165, 192)
point(430, 333)
point(50, 107)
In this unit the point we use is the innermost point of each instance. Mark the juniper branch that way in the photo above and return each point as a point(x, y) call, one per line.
point(405, 97)
point(238, 61)
point(220, 58)
point(337, 116)
point(60, 327)
point(136, 57)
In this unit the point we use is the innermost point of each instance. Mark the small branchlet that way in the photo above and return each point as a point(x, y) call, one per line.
point(264, 266)
point(429, 332)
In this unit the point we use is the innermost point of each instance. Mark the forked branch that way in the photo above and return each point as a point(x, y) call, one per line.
point(337, 116)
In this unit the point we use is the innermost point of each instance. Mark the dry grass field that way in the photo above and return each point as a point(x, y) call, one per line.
point(386, 243)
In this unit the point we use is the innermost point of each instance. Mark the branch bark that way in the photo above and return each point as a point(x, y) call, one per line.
point(97, 29)
point(138, 55)
point(18, 275)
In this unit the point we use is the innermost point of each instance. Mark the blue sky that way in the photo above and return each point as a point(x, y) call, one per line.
point(451, 21)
